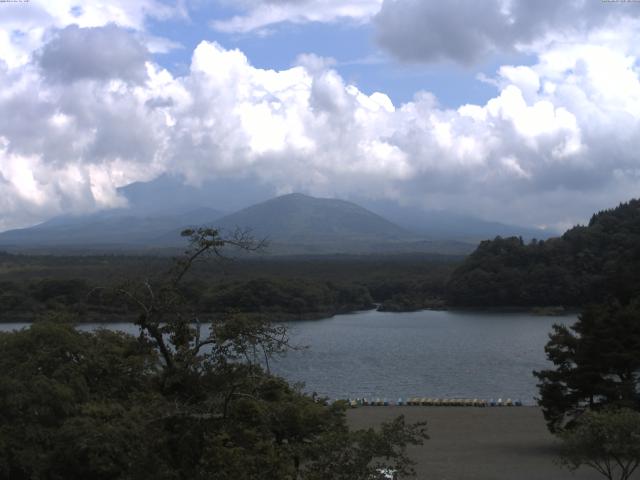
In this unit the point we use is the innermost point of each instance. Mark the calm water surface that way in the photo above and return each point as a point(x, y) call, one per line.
point(426, 354)
point(432, 354)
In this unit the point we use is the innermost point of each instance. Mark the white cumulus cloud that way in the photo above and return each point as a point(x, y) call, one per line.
point(559, 139)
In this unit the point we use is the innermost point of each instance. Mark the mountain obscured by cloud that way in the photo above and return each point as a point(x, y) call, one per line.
point(169, 194)
point(158, 211)
point(291, 224)
point(446, 225)
point(304, 219)
point(114, 230)
point(557, 141)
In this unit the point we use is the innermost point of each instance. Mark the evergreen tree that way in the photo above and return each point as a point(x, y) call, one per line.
point(586, 264)
point(597, 363)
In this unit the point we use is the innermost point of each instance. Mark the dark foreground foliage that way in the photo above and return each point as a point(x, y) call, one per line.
point(177, 402)
point(597, 364)
point(606, 441)
point(587, 264)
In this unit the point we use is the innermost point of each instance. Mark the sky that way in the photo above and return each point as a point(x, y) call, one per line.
point(525, 112)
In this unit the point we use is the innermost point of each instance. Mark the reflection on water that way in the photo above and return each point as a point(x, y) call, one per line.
point(426, 354)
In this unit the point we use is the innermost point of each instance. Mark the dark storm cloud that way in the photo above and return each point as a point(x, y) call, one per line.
point(467, 30)
point(93, 53)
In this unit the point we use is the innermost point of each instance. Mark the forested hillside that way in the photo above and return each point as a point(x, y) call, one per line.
point(280, 287)
point(586, 264)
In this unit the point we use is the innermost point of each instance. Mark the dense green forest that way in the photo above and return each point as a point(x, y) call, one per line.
point(281, 288)
point(174, 402)
point(587, 264)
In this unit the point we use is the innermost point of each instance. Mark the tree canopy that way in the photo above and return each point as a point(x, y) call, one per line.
point(587, 264)
point(597, 363)
point(189, 398)
point(606, 441)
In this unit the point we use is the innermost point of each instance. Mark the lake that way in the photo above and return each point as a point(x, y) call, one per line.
point(427, 354)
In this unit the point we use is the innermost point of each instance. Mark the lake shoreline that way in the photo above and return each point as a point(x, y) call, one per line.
point(370, 354)
point(287, 317)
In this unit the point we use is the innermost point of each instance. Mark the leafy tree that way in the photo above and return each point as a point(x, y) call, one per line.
point(607, 441)
point(344, 455)
point(597, 363)
point(73, 401)
point(180, 401)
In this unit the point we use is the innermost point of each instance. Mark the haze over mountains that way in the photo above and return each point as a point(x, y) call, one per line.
point(293, 224)
point(118, 229)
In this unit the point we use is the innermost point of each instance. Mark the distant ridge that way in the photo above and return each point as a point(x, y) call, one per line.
point(294, 224)
point(298, 218)
point(298, 224)
point(441, 225)
point(116, 228)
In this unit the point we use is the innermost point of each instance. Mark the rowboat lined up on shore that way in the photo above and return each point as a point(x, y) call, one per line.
point(434, 402)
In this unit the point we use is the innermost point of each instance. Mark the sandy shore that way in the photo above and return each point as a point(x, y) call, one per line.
point(510, 443)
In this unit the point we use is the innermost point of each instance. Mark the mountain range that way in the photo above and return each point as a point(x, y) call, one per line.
point(118, 229)
point(292, 224)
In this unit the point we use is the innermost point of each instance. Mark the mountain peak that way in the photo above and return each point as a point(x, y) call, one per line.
point(300, 218)
point(294, 195)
